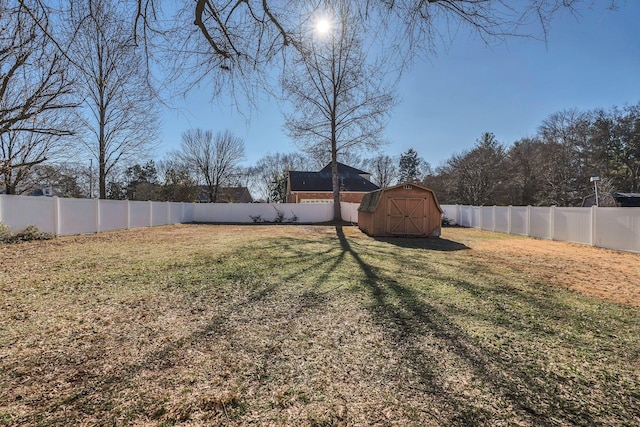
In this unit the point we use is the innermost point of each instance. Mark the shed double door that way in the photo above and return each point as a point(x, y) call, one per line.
point(406, 216)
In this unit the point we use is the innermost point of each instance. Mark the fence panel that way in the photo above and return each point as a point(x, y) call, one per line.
point(501, 219)
point(618, 228)
point(158, 213)
point(113, 215)
point(451, 213)
point(139, 214)
point(476, 219)
point(187, 212)
point(466, 216)
point(519, 220)
point(175, 213)
point(312, 212)
point(263, 212)
point(349, 211)
point(572, 225)
point(77, 216)
point(18, 212)
point(540, 223)
point(486, 213)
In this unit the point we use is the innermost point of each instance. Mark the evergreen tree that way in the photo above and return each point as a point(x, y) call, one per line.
point(410, 169)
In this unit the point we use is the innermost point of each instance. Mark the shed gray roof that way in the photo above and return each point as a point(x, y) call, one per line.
point(370, 201)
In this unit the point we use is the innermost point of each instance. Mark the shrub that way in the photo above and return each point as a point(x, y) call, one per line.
point(28, 234)
point(279, 216)
point(5, 233)
point(256, 218)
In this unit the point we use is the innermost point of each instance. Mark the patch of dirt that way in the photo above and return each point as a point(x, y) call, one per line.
point(603, 273)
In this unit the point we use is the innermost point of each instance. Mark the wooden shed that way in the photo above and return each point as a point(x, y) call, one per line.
point(404, 210)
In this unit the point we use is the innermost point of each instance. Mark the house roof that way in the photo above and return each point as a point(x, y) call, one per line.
point(227, 195)
point(234, 195)
point(342, 168)
point(627, 199)
point(621, 199)
point(621, 195)
point(321, 181)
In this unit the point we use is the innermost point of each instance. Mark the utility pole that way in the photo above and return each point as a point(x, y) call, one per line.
point(595, 180)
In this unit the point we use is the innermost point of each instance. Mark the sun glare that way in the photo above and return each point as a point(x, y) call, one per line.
point(323, 26)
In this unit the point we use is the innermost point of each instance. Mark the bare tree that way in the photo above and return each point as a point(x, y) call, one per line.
point(566, 177)
point(272, 171)
point(178, 182)
point(233, 44)
point(626, 145)
point(213, 159)
point(339, 100)
point(478, 174)
point(35, 88)
point(526, 167)
point(383, 170)
point(237, 44)
point(119, 110)
point(21, 152)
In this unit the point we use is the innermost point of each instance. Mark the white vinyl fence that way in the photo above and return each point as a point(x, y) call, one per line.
point(612, 228)
point(64, 216)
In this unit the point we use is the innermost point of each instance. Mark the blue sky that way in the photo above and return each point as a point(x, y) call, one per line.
point(448, 100)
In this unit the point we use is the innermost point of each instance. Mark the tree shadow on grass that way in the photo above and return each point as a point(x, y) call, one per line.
point(517, 381)
point(399, 309)
point(95, 395)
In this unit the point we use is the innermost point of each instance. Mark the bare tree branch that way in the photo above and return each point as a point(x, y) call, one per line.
point(118, 110)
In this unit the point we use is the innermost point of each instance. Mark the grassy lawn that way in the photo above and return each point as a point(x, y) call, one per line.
point(297, 325)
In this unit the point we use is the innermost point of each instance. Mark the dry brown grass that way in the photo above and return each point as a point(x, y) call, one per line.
point(301, 325)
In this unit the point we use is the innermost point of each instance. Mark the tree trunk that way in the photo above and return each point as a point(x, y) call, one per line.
point(337, 215)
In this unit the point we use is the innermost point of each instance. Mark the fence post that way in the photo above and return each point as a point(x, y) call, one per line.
point(528, 226)
point(150, 204)
point(552, 219)
point(128, 214)
point(481, 215)
point(168, 213)
point(96, 214)
point(493, 217)
point(56, 215)
point(594, 216)
point(509, 220)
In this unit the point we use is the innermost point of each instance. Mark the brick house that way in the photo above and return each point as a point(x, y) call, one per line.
point(316, 187)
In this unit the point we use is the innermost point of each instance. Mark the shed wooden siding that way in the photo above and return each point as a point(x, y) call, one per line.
point(404, 210)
